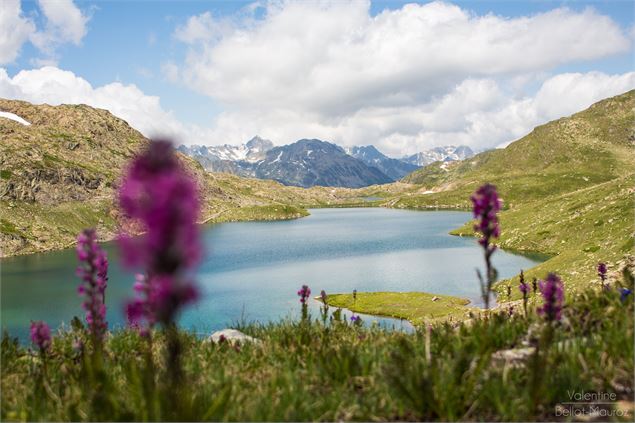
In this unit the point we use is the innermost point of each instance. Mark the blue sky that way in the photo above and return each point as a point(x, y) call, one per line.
point(131, 42)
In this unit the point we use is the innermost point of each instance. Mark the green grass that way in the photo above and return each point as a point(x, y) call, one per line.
point(577, 229)
point(308, 371)
point(416, 307)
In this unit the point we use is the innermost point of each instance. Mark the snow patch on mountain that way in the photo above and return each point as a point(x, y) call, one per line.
point(439, 154)
point(14, 117)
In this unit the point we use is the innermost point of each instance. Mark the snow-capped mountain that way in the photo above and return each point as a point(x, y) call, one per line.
point(250, 152)
point(439, 154)
point(314, 162)
point(304, 163)
point(308, 163)
point(395, 169)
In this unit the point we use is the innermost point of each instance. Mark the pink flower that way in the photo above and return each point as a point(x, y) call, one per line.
point(304, 293)
point(486, 206)
point(553, 296)
point(93, 270)
point(41, 335)
point(158, 192)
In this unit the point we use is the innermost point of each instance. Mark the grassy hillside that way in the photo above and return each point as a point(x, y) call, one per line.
point(567, 189)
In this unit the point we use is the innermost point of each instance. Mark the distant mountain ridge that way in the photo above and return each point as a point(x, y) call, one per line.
point(395, 169)
point(439, 154)
point(293, 164)
point(229, 158)
point(313, 162)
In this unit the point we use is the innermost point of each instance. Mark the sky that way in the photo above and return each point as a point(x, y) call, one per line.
point(403, 76)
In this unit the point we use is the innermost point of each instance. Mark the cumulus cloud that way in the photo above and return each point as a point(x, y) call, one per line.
point(15, 30)
point(404, 80)
point(334, 58)
point(480, 113)
point(64, 23)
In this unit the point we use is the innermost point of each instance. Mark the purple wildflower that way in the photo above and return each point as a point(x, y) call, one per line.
point(553, 296)
point(323, 296)
point(41, 335)
point(524, 289)
point(354, 318)
point(624, 293)
point(304, 293)
point(324, 309)
point(602, 273)
point(486, 205)
point(158, 192)
point(93, 270)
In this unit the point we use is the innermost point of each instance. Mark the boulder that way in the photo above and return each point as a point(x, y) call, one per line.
point(232, 336)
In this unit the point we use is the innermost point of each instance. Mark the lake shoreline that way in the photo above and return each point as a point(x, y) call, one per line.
point(336, 250)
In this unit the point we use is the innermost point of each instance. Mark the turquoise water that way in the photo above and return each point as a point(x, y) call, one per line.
point(252, 270)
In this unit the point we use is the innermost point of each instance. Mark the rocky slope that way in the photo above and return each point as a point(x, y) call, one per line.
point(59, 175)
point(393, 168)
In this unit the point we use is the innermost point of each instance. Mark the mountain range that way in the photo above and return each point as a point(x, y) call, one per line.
point(314, 162)
point(449, 153)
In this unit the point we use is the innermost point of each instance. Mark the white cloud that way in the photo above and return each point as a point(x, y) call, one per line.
point(15, 30)
point(404, 80)
point(64, 23)
point(334, 58)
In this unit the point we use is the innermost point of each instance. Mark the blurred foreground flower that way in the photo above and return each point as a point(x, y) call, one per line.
point(159, 193)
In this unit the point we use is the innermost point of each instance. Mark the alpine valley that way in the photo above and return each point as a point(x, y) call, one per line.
point(567, 186)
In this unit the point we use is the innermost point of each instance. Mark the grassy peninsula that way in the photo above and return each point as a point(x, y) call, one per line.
point(416, 307)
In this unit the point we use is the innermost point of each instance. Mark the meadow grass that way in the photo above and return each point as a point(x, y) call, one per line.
point(307, 370)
